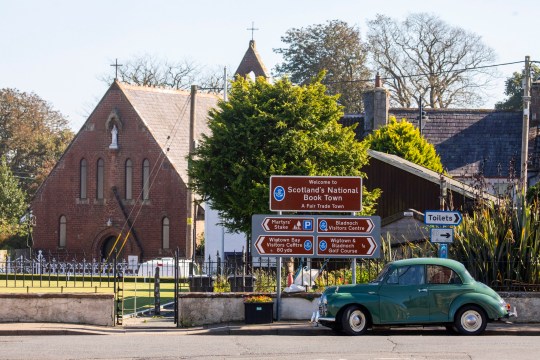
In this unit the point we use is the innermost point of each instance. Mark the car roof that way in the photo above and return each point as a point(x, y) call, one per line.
point(430, 261)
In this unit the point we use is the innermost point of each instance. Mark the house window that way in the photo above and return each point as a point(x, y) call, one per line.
point(83, 179)
point(129, 179)
point(62, 232)
point(165, 233)
point(146, 180)
point(99, 180)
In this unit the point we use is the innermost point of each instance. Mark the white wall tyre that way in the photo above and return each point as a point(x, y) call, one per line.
point(354, 321)
point(470, 320)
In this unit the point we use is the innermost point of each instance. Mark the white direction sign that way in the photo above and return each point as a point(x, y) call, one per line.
point(439, 217)
point(441, 235)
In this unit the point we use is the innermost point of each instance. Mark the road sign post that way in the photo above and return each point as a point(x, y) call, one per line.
point(285, 245)
point(346, 246)
point(442, 236)
point(442, 218)
point(329, 236)
point(316, 193)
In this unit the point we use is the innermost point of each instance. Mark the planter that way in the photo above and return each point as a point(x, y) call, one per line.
point(259, 313)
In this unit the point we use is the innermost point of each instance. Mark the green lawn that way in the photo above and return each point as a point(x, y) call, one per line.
point(136, 291)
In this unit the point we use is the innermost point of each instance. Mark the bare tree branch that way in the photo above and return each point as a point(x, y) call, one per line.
point(429, 60)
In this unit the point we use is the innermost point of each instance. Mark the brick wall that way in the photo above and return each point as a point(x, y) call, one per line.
point(87, 218)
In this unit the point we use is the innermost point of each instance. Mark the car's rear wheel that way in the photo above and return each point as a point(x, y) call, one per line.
point(470, 320)
point(354, 321)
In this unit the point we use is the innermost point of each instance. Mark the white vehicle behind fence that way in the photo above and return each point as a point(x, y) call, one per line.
point(166, 267)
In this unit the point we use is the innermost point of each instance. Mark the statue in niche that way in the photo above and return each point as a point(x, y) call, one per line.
point(114, 141)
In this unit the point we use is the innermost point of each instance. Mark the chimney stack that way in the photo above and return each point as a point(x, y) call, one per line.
point(376, 106)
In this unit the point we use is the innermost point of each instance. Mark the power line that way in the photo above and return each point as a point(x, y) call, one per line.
point(430, 74)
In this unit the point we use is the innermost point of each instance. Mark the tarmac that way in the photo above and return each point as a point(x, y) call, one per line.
point(164, 323)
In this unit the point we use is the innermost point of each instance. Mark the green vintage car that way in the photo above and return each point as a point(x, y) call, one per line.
point(422, 291)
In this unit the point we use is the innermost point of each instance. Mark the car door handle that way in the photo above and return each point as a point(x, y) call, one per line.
point(422, 290)
point(371, 292)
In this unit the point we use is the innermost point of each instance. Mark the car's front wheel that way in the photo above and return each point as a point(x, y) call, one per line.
point(354, 321)
point(470, 320)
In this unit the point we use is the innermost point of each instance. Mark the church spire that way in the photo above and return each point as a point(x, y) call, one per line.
point(252, 63)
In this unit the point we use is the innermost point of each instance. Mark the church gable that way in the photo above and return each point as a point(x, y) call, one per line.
point(122, 177)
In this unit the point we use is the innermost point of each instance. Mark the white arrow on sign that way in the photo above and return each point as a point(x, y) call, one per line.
point(258, 245)
point(373, 245)
point(439, 217)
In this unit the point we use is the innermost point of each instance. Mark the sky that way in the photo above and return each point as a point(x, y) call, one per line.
point(61, 49)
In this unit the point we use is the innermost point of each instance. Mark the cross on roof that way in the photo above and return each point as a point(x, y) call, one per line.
point(116, 65)
point(252, 28)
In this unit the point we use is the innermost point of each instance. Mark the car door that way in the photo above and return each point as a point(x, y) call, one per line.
point(444, 285)
point(404, 296)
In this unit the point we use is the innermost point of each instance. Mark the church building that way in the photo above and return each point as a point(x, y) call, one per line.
point(122, 182)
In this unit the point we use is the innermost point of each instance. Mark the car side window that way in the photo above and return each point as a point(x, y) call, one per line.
point(407, 275)
point(437, 274)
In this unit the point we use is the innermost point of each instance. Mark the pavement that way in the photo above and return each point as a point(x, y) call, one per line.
point(148, 323)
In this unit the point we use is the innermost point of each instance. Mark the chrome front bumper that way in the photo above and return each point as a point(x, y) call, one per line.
point(316, 318)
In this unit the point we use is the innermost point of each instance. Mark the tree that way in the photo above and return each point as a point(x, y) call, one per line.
point(33, 136)
point(423, 58)
point(334, 47)
point(271, 129)
point(514, 90)
point(12, 204)
point(147, 70)
point(403, 139)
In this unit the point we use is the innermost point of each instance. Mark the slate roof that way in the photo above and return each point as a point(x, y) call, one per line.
point(473, 141)
point(166, 113)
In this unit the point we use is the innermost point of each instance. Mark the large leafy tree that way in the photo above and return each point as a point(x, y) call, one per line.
point(271, 129)
point(403, 139)
point(334, 47)
point(514, 90)
point(33, 136)
point(425, 59)
point(12, 204)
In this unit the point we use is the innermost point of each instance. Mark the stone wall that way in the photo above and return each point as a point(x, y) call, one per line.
point(90, 309)
point(527, 305)
point(213, 308)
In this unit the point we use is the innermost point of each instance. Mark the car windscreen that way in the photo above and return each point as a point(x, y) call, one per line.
point(381, 275)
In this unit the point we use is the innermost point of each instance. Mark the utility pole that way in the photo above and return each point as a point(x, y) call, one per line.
point(420, 115)
point(225, 84)
point(190, 238)
point(525, 130)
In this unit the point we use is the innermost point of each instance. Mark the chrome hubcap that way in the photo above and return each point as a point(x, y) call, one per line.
point(471, 320)
point(357, 320)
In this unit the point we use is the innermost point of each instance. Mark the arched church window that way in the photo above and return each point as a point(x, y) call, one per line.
point(99, 180)
point(165, 232)
point(129, 179)
point(82, 185)
point(146, 180)
point(62, 232)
